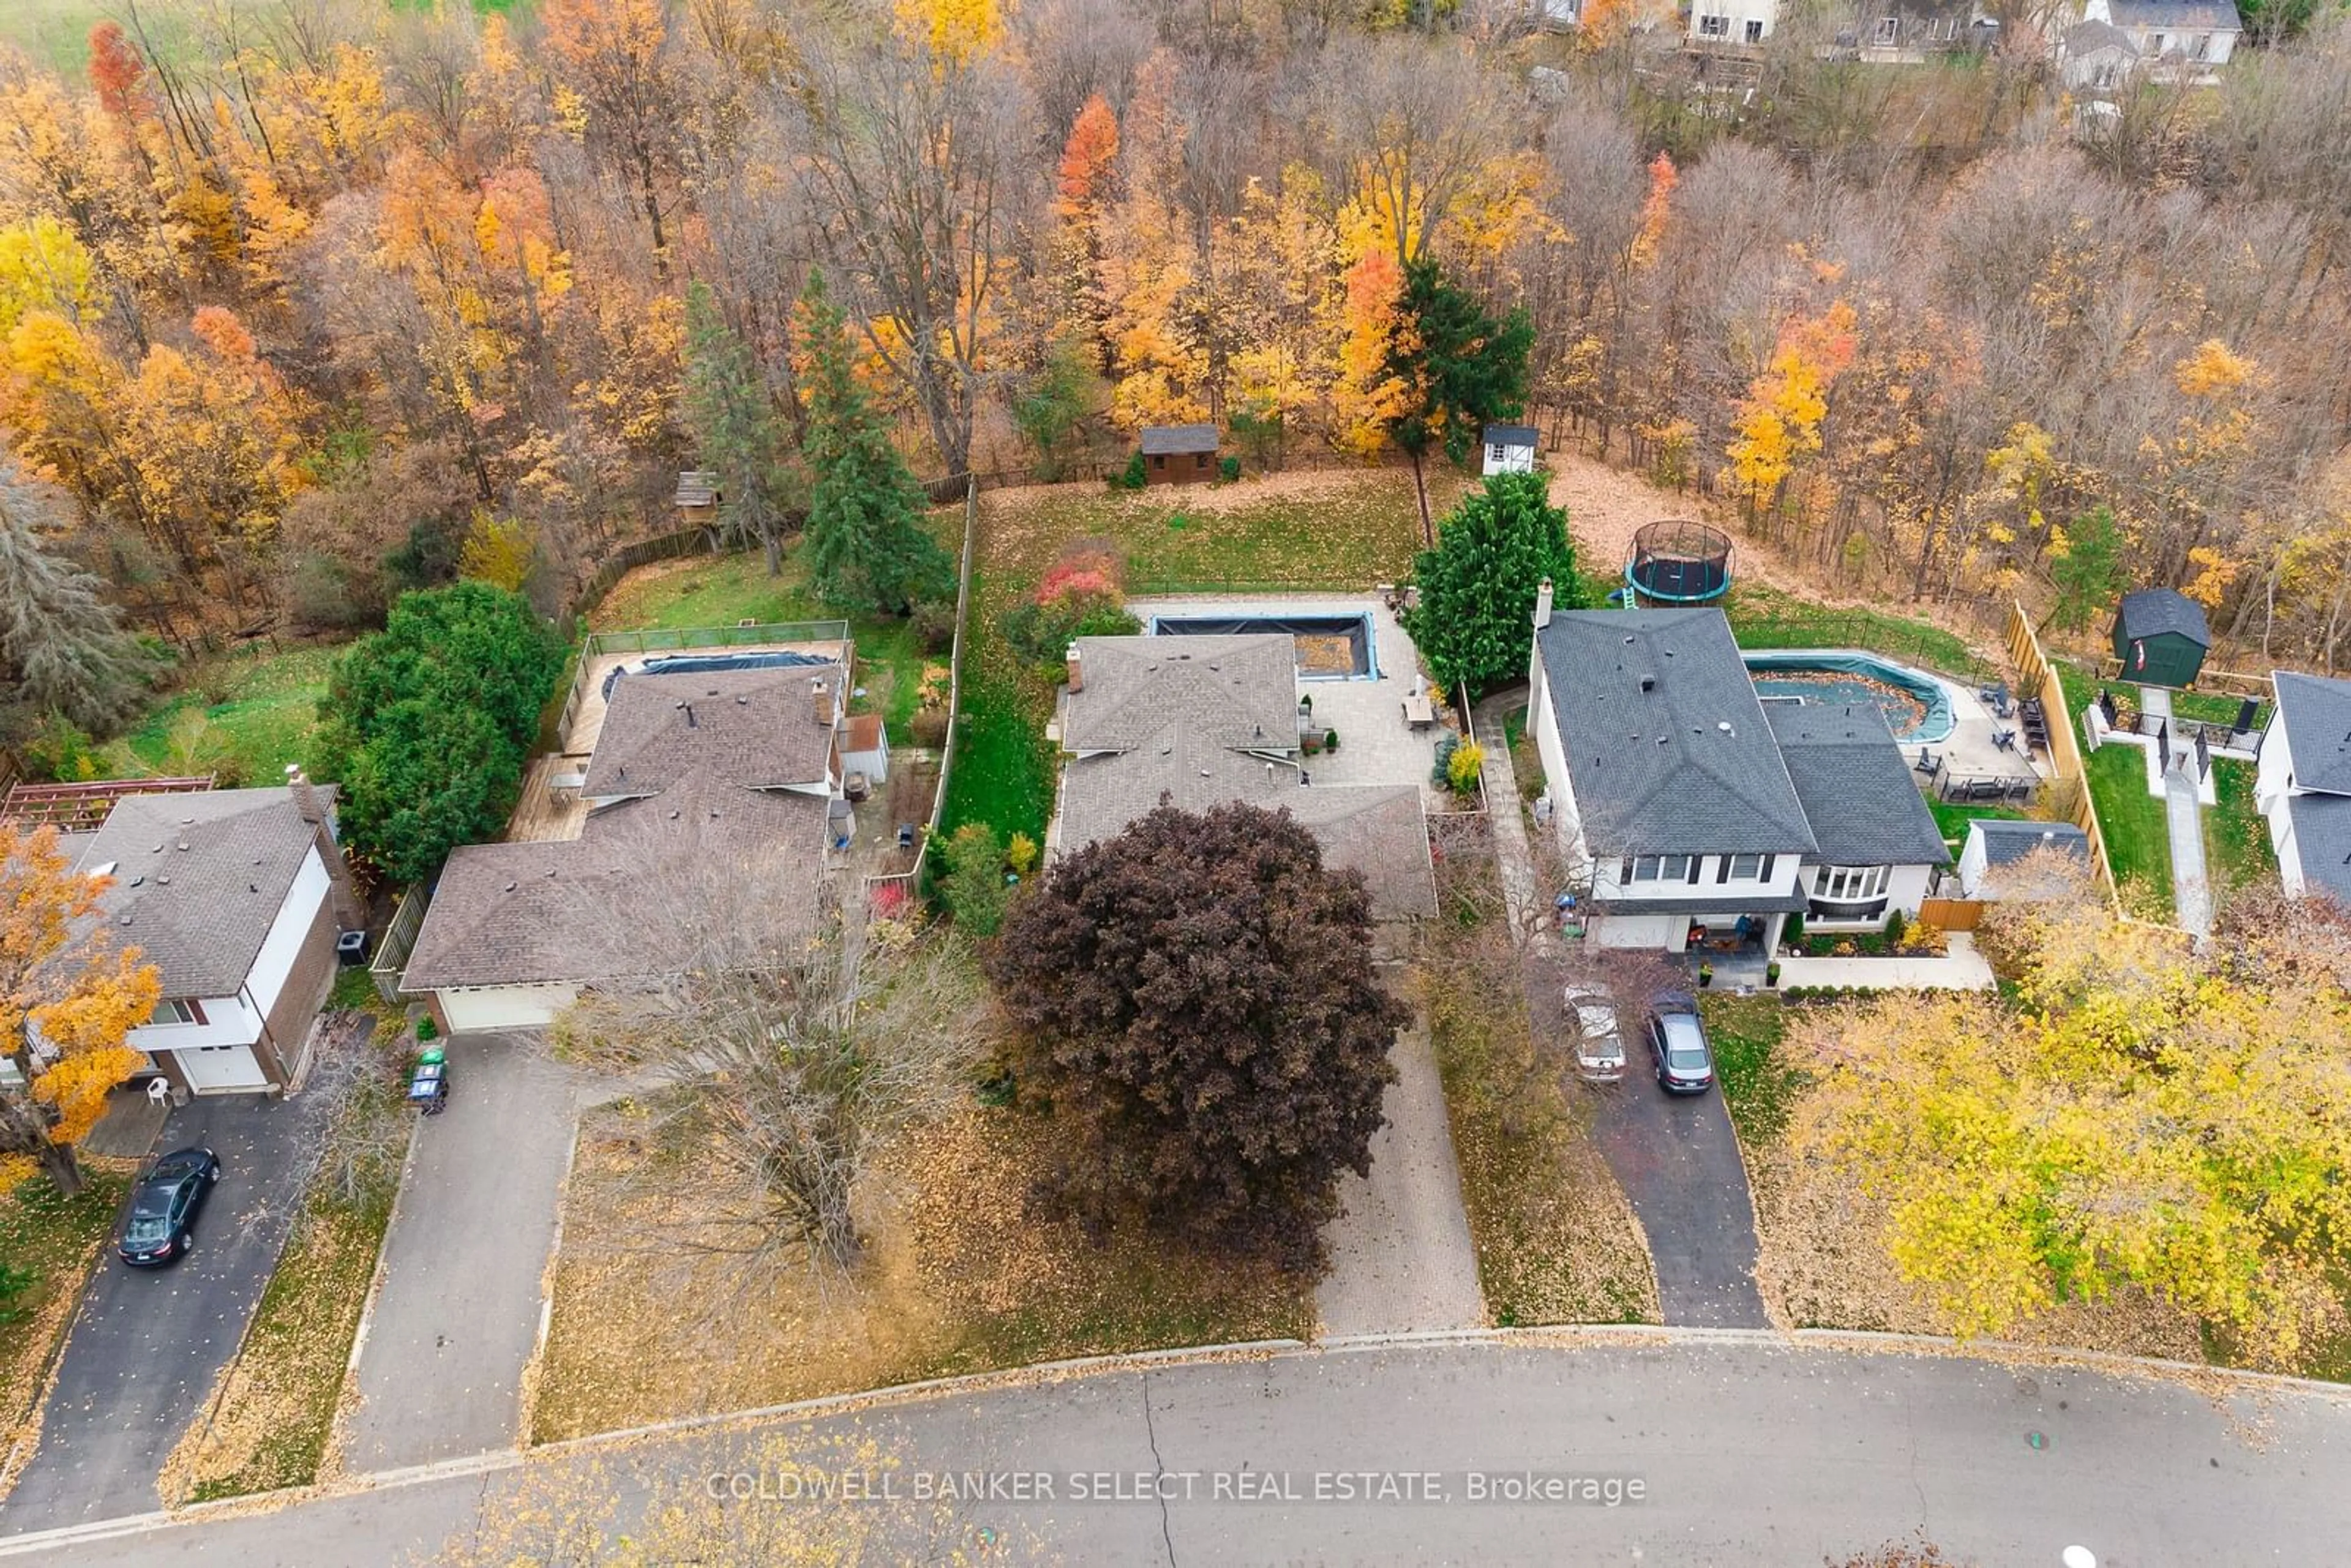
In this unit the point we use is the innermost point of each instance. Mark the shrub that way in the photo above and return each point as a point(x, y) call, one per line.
point(929, 727)
point(1442, 772)
point(974, 885)
point(1131, 477)
point(1330, 740)
point(1795, 930)
point(1228, 469)
point(933, 624)
point(1462, 768)
point(1895, 927)
point(891, 901)
point(61, 751)
point(1020, 853)
point(426, 1028)
point(324, 594)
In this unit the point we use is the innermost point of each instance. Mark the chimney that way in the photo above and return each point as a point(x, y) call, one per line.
point(820, 693)
point(1542, 605)
point(350, 914)
point(1077, 673)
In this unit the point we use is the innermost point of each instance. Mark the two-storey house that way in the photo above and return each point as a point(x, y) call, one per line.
point(2302, 783)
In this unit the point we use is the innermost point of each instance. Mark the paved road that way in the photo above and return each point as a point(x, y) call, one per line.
point(148, 1345)
point(1400, 1258)
point(1749, 1451)
point(441, 1371)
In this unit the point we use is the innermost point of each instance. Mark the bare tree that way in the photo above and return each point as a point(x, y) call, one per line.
point(1410, 125)
point(791, 1063)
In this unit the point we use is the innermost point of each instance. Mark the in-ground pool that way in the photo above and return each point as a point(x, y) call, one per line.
point(1917, 706)
point(707, 664)
point(1330, 647)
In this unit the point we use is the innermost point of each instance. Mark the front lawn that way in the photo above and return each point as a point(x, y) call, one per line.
point(2237, 849)
point(1758, 1086)
point(53, 1240)
point(242, 716)
point(1765, 617)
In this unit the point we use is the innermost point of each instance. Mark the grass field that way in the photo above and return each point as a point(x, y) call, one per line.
point(2237, 849)
point(1764, 617)
point(1953, 820)
point(56, 33)
point(244, 717)
point(2137, 835)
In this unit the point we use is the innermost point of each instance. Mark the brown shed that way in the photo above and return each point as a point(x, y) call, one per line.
point(697, 497)
point(1178, 454)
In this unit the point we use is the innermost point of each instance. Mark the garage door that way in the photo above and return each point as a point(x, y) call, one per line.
point(486, 1008)
point(220, 1069)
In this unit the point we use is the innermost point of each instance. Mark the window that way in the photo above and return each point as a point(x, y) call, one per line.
point(1888, 29)
point(1159, 460)
point(1714, 27)
point(1755, 32)
point(2155, 43)
point(175, 1010)
point(1200, 460)
point(1660, 868)
point(1850, 883)
point(1497, 454)
point(1743, 868)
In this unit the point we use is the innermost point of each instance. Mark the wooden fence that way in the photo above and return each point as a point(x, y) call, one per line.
point(399, 940)
point(912, 877)
point(1952, 914)
point(2037, 676)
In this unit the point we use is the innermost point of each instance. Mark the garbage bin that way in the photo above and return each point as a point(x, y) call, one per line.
point(351, 948)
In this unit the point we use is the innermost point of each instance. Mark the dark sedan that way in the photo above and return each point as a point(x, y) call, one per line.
point(1678, 1044)
point(163, 1208)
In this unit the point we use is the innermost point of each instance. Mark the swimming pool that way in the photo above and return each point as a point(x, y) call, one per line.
point(1330, 647)
point(1915, 705)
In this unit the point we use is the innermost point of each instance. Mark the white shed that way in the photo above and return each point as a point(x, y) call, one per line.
point(1510, 448)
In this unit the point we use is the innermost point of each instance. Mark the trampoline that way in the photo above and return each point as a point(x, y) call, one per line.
point(1679, 562)
point(710, 664)
point(1330, 647)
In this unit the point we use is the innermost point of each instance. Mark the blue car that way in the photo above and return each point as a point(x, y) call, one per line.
point(1685, 1063)
point(163, 1208)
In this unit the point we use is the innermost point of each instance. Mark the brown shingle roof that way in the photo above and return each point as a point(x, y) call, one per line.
point(1237, 691)
point(754, 728)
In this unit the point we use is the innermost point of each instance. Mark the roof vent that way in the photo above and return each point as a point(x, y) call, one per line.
point(126, 920)
point(253, 887)
point(740, 700)
point(1723, 725)
point(164, 881)
point(672, 814)
point(511, 887)
point(138, 880)
point(551, 871)
point(184, 846)
point(187, 821)
point(1649, 683)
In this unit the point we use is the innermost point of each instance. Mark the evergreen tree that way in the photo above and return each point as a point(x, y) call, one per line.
point(728, 408)
point(1462, 368)
point(866, 547)
point(60, 644)
point(1475, 620)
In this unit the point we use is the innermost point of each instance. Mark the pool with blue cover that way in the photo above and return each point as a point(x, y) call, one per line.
point(1915, 705)
point(705, 663)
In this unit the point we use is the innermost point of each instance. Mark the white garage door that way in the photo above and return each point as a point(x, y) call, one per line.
point(483, 1007)
point(220, 1069)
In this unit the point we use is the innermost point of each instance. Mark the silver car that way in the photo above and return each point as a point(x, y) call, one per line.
point(1599, 1047)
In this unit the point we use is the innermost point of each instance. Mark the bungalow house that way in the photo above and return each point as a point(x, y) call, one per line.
point(236, 897)
point(692, 770)
point(1178, 454)
point(2301, 783)
point(1510, 448)
point(1994, 848)
point(1198, 721)
point(1697, 816)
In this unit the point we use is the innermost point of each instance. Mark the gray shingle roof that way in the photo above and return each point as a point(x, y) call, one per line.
point(1687, 765)
point(1859, 795)
point(517, 914)
point(2316, 716)
point(200, 913)
point(755, 728)
point(1165, 439)
point(697, 487)
point(2177, 16)
point(2089, 38)
point(1512, 435)
point(2006, 843)
point(2321, 836)
point(1231, 691)
point(2154, 612)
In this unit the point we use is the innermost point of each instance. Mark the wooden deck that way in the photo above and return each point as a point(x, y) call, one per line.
point(545, 813)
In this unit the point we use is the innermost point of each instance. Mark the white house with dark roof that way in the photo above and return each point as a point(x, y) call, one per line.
point(2301, 784)
point(236, 897)
point(1880, 847)
point(1510, 448)
point(691, 771)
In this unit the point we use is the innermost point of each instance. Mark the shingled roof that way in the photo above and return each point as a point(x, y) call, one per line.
point(1666, 745)
point(1236, 691)
point(1165, 440)
point(2316, 714)
point(753, 728)
point(1855, 785)
point(2322, 838)
point(199, 880)
point(2159, 612)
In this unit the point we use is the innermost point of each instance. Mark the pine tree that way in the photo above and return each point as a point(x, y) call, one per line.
point(1462, 368)
point(61, 643)
point(866, 547)
point(728, 408)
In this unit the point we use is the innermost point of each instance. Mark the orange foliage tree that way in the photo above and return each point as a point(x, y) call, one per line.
point(68, 1000)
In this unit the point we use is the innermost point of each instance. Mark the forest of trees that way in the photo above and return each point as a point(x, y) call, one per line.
point(297, 301)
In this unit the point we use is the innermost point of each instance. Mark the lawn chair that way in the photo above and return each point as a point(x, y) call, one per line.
point(1928, 763)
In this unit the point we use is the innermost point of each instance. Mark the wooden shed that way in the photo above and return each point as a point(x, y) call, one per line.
point(697, 497)
point(1178, 454)
point(2161, 637)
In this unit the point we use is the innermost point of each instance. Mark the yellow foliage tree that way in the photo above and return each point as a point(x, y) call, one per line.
point(1779, 421)
point(499, 552)
point(955, 32)
point(67, 1000)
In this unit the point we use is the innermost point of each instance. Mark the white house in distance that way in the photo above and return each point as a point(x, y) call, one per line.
point(1732, 21)
point(2302, 783)
point(236, 897)
point(1510, 448)
point(1701, 821)
point(2194, 34)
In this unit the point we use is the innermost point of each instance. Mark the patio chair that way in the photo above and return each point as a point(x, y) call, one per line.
point(1928, 763)
point(2003, 740)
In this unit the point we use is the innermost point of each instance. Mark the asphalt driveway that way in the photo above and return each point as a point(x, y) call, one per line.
point(457, 1321)
point(149, 1344)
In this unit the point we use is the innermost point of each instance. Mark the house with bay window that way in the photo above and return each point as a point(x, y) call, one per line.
point(1687, 817)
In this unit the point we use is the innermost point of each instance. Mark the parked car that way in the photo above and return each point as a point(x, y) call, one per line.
point(1677, 1045)
point(1599, 1047)
point(164, 1205)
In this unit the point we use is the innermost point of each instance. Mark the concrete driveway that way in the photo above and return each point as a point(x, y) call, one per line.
point(457, 1321)
point(148, 1345)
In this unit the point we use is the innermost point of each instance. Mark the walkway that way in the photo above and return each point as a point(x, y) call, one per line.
point(2192, 888)
point(444, 1345)
point(1747, 1448)
point(1400, 1258)
point(1961, 969)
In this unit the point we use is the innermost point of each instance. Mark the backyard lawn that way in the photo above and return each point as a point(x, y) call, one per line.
point(2137, 834)
point(2236, 838)
point(242, 716)
point(1953, 819)
point(1764, 617)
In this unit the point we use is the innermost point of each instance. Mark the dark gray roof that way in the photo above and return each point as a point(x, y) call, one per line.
point(1860, 798)
point(2154, 612)
point(1169, 438)
point(2316, 714)
point(199, 879)
point(2322, 837)
point(2176, 16)
point(1733, 904)
point(1512, 435)
point(2006, 843)
point(504, 915)
point(1228, 690)
point(2089, 38)
point(1688, 765)
point(755, 728)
